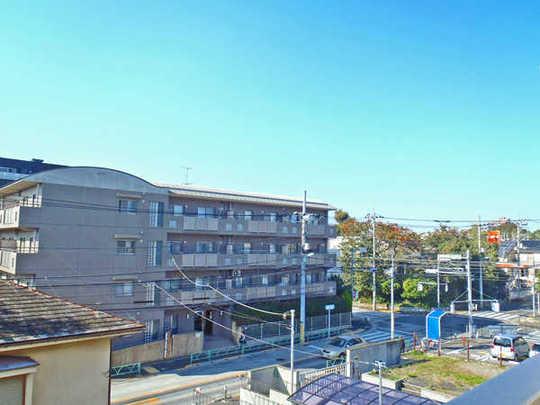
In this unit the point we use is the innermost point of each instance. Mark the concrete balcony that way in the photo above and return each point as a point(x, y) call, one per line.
point(235, 226)
point(14, 215)
point(8, 261)
point(244, 294)
point(251, 259)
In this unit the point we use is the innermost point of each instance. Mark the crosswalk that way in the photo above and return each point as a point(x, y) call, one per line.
point(500, 316)
point(378, 335)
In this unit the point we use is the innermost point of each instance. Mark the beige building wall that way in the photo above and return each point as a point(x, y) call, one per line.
point(70, 373)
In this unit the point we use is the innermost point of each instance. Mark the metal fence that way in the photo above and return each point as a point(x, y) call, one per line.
point(257, 345)
point(313, 323)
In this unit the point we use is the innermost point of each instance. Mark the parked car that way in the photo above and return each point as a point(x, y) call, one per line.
point(509, 347)
point(535, 349)
point(339, 345)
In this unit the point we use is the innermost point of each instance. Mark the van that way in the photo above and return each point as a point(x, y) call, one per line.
point(509, 347)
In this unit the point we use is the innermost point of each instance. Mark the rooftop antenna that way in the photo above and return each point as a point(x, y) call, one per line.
point(187, 169)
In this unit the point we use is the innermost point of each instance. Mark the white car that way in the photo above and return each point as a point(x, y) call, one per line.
point(339, 345)
point(509, 347)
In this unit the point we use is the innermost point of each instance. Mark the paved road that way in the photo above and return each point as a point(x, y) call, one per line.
point(182, 379)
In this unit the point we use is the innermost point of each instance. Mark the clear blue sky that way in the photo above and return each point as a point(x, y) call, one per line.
point(416, 109)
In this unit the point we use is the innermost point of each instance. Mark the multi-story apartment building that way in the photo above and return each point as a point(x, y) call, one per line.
point(115, 241)
point(14, 169)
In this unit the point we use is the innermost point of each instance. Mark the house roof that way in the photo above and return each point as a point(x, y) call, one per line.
point(29, 316)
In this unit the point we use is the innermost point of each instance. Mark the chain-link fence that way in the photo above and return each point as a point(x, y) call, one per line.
point(280, 328)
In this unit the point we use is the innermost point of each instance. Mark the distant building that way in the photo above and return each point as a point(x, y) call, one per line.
point(15, 169)
point(54, 352)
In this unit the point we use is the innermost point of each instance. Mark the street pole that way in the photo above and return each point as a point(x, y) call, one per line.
point(438, 282)
point(534, 291)
point(373, 266)
point(469, 292)
point(352, 277)
point(392, 319)
point(480, 258)
point(292, 351)
point(303, 273)
point(380, 365)
point(329, 322)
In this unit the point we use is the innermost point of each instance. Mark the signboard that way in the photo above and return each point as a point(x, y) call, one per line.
point(494, 237)
point(431, 271)
point(373, 269)
point(449, 257)
point(330, 307)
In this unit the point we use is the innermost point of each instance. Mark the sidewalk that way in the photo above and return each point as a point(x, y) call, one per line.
point(140, 388)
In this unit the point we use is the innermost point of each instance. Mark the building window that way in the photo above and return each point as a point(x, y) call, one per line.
point(125, 247)
point(156, 213)
point(272, 217)
point(175, 248)
point(272, 248)
point(154, 253)
point(206, 212)
point(205, 247)
point(124, 289)
point(127, 206)
point(246, 247)
point(248, 215)
point(177, 210)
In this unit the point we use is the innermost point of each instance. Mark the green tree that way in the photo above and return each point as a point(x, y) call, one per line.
point(425, 296)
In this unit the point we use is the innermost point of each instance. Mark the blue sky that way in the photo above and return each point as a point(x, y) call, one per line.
point(416, 109)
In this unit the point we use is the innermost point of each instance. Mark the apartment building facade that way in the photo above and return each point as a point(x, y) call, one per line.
point(146, 251)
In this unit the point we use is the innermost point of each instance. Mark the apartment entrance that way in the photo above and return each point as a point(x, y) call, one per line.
point(202, 323)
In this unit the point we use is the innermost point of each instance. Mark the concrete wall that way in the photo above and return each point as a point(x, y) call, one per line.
point(182, 344)
point(71, 373)
point(360, 358)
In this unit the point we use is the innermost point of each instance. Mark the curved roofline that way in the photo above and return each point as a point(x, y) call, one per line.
point(29, 177)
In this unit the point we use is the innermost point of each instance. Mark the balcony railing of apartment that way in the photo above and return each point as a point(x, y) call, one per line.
point(10, 211)
point(20, 246)
point(28, 201)
point(214, 259)
point(243, 225)
point(205, 295)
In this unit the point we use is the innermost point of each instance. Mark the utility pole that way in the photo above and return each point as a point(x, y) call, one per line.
point(438, 282)
point(292, 351)
point(380, 365)
point(352, 276)
point(469, 292)
point(534, 291)
point(303, 273)
point(480, 259)
point(373, 266)
point(392, 319)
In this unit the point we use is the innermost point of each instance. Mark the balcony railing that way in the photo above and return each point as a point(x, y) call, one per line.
point(18, 246)
point(205, 295)
point(11, 211)
point(250, 259)
point(231, 225)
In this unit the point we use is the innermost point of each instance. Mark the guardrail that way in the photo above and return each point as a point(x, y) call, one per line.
point(126, 369)
point(215, 354)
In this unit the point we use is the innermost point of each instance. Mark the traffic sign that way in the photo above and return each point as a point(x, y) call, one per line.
point(374, 269)
point(330, 307)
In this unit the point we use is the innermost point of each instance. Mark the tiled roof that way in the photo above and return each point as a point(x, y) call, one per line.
point(27, 316)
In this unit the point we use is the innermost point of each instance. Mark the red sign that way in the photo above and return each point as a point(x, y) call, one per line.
point(494, 237)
